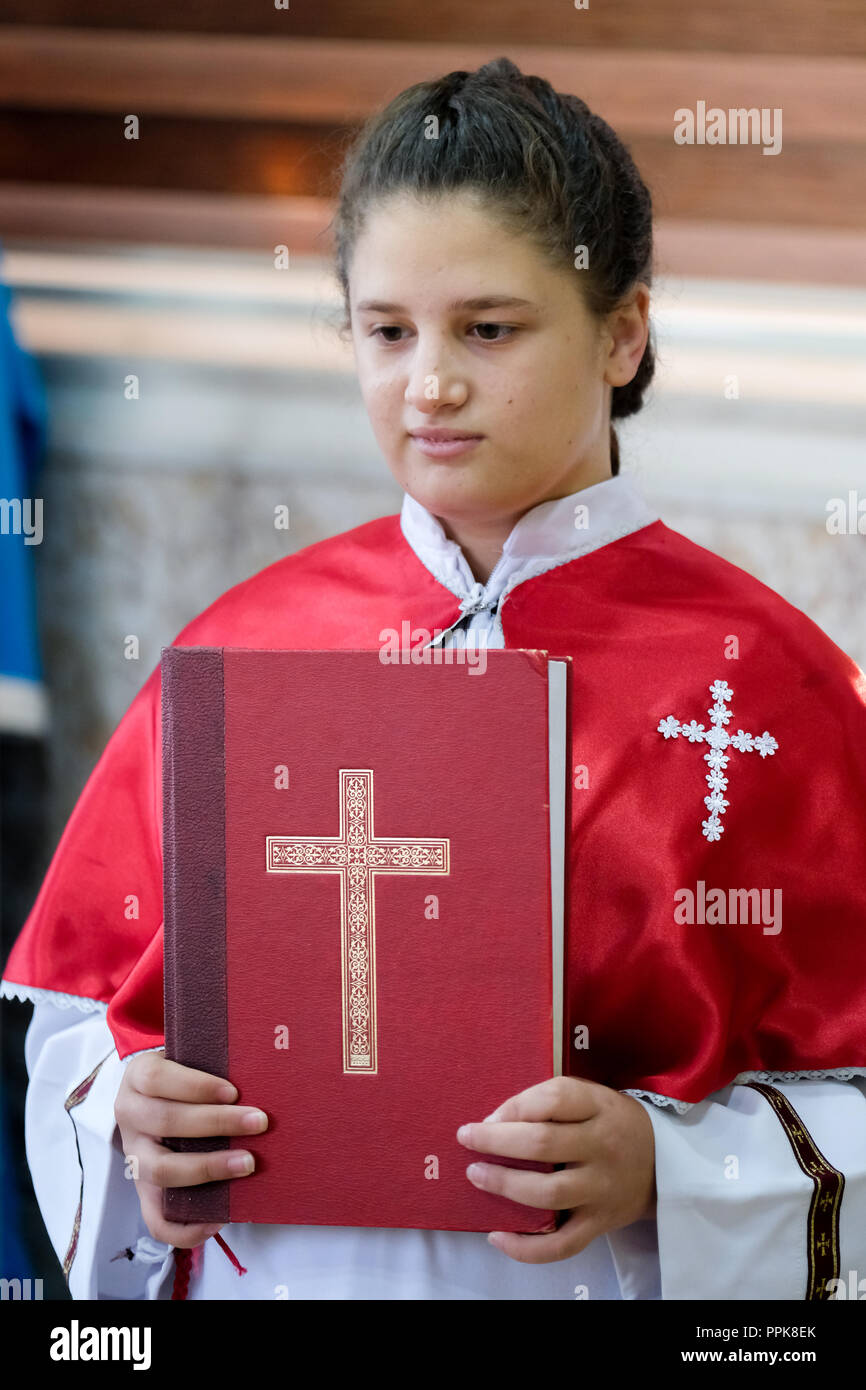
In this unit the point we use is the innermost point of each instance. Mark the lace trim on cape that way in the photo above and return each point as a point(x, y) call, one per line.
point(829, 1074)
point(29, 994)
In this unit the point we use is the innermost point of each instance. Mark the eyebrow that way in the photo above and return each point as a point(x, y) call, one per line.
point(486, 301)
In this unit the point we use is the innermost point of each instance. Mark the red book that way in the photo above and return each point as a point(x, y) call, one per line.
point(364, 919)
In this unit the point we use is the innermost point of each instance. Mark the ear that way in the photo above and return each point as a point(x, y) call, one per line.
point(627, 331)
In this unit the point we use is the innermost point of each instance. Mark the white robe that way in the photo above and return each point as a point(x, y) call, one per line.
point(724, 1229)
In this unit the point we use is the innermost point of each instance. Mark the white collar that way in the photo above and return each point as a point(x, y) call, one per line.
point(546, 536)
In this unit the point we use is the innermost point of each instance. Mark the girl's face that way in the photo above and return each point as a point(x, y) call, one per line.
point(531, 373)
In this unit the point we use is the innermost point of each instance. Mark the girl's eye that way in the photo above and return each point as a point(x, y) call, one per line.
point(395, 328)
point(386, 328)
point(504, 326)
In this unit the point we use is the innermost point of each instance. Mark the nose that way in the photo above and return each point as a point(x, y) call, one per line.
point(435, 377)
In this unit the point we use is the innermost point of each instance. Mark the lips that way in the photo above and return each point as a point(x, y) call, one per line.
point(437, 435)
point(445, 444)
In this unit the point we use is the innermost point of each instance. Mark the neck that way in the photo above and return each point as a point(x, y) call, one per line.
point(482, 546)
point(481, 538)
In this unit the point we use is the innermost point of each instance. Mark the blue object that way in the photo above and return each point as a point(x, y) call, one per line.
point(23, 418)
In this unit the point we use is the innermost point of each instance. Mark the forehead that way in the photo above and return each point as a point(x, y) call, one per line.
point(442, 244)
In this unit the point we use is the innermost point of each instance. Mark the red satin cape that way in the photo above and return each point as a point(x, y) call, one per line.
point(677, 1008)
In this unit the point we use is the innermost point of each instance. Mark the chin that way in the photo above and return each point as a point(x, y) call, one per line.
point(442, 486)
point(450, 490)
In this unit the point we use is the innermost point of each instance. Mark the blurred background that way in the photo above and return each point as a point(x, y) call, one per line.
point(153, 258)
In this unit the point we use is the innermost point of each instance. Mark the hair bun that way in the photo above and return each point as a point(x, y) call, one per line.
point(501, 70)
point(452, 83)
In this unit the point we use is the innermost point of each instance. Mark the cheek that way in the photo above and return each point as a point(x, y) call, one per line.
point(567, 393)
point(381, 389)
point(374, 405)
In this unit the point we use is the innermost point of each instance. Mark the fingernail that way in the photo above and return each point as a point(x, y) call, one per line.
point(463, 1134)
point(228, 1092)
point(240, 1164)
point(254, 1120)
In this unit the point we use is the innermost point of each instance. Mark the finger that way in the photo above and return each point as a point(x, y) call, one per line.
point(544, 1142)
point(560, 1191)
point(559, 1098)
point(174, 1119)
point(178, 1233)
point(153, 1163)
point(154, 1075)
point(572, 1237)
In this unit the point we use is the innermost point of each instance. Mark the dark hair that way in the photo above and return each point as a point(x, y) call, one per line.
point(539, 159)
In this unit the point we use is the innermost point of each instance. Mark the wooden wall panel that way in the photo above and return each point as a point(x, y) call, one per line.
point(729, 26)
point(88, 217)
point(183, 155)
point(246, 103)
point(295, 80)
point(809, 185)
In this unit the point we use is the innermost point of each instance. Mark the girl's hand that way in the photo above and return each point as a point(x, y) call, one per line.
point(604, 1138)
point(158, 1099)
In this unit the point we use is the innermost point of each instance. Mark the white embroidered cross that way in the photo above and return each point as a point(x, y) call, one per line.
point(719, 740)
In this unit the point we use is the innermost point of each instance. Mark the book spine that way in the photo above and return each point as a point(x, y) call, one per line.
point(568, 943)
point(194, 894)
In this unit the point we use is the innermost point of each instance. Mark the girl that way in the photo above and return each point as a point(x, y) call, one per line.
point(494, 248)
